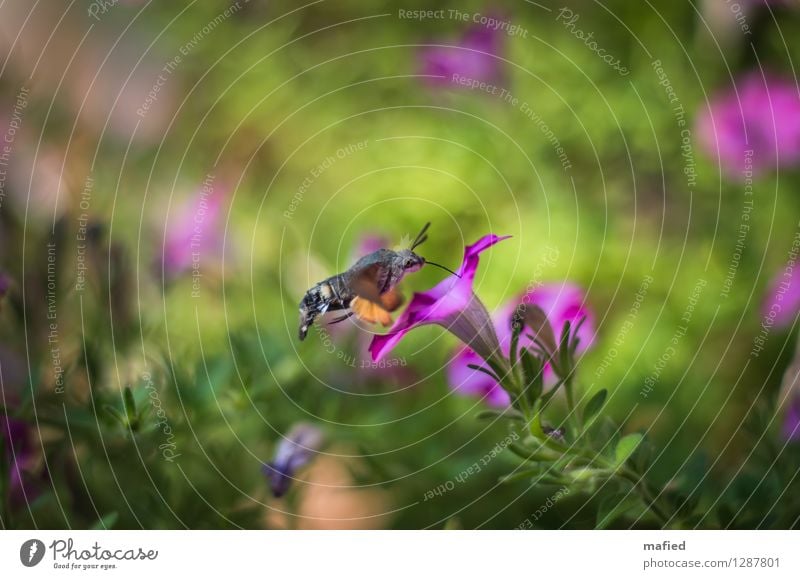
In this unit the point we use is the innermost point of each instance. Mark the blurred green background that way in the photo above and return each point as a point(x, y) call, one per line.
point(318, 129)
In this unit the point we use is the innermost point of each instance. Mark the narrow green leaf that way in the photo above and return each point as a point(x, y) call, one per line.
point(552, 392)
point(533, 370)
point(485, 370)
point(575, 339)
point(594, 405)
point(129, 402)
point(535, 427)
point(115, 414)
point(564, 365)
point(525, 473)
point(527, 453)
point(494, 414)
point(517, 324)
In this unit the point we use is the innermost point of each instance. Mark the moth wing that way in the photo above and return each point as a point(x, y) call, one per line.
point(391, 300)
point(371, 304)
point(366, 283)
point(370, 312)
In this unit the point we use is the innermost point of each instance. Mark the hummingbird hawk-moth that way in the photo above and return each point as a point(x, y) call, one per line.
point(367, 290)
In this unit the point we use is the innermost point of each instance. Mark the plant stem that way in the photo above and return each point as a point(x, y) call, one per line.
point(649, 500)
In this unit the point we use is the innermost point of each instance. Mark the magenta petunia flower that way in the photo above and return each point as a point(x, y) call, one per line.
point(294, 451)
point(561, 303)
point(782, 300)
point(195, 233)
point(473, 58)
point(755, 126)
point(451, 304)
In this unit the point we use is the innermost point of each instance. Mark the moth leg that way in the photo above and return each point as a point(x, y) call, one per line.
point(308, 315)
point(341, 318)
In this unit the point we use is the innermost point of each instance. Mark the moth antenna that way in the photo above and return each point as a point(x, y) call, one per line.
point(443, 267)
point(421, 237)
point(419, 242)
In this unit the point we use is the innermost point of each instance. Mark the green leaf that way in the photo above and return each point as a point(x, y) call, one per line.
point(594, 405)
point(517, 325)
point(616, 506)
point(533, 370)
point(535, 427)
point(564, 365)
point(485, 370)
point(550, 393)
point(130, 408)
point(575, 340)
point(107, 522)
point(129, 402)
point(115, 414)
point(540, 454)
point(626, 447)
point(494, 414)
point(524, 474)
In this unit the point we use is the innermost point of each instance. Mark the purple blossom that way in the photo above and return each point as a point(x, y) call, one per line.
point(789, 399)
point(475, 57)
point(451, 304)
point(294, 451)
point(17, 437)
point(561, 303)
point(754, 126)
point(368, 244)
point(791, 420)
point(782, 301)
point(196, 232)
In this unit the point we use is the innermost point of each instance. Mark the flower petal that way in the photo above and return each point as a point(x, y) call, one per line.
point(443, 304)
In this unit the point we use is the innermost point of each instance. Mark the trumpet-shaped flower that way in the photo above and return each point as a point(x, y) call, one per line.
point(451, 304)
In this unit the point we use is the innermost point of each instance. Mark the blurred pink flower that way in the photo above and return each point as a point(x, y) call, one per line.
point(196, 233)
point(782, 301)
point(756, 125)
point(789, 399)
point(791, 420)
point(24, 482)
point(368, 244)
point(561, 303)
point(474, 57)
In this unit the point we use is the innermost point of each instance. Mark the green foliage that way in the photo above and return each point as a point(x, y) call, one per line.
point(172, 403)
